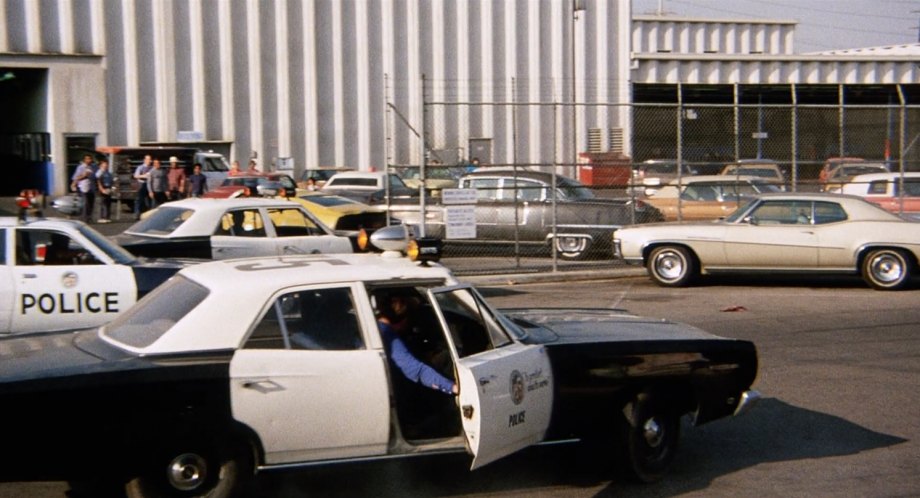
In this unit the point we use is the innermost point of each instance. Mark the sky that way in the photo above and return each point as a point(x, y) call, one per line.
point(822, 24)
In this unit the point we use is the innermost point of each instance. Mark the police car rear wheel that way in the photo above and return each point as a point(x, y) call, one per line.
point(193, 470)
point(648, 438)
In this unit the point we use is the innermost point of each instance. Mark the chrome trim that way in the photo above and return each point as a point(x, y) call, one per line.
point(748, 400)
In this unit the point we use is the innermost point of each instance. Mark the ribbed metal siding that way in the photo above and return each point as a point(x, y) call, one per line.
point(305, 78)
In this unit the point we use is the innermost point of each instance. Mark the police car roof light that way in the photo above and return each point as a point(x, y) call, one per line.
point(391, 239)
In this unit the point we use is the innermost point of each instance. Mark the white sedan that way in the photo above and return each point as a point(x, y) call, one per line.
point(230, 228)
point(795, 233)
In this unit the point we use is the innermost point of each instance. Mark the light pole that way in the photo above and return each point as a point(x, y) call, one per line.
point(577, 6)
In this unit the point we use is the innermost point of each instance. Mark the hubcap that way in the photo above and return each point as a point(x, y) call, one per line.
point(653, 432)
point(187, 471)
point(571, 244)
point(669, 265)
point(887, 268)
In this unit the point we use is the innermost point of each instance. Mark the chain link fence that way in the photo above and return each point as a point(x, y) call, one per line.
point(519, 224)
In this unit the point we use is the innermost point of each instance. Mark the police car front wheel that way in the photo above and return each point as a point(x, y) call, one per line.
point(190, 469)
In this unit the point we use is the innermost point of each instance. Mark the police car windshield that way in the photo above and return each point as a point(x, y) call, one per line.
point(114, 251)
point(163, 220)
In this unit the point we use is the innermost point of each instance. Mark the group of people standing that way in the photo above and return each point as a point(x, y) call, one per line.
point(89, 179)
point(157, 185)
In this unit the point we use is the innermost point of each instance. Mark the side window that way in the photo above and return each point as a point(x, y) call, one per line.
point(771, 213)
point(911, 187)
point(473, 328)
point(486, 188)
point(783, 212)
point(529, 191)
point(2, 246)
point(241, 223)
point(878, 187)
point(829, 212)
point(292, 223)
point(50, 248)
point(314, 319)
point(700, 193)
point(288, 183)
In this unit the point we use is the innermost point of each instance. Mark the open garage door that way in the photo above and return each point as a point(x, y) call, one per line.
point(25, 156)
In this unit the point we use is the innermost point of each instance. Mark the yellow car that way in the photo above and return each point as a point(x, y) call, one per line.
point(345, 216)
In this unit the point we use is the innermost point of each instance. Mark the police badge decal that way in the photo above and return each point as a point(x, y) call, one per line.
point(517, 387)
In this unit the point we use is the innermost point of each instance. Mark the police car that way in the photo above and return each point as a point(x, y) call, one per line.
point(230, 228)
point(62, 274)
point(263, 363)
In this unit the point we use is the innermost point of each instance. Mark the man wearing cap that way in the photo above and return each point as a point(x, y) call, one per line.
point(176, 178)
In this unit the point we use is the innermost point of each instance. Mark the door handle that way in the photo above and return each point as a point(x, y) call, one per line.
point(262, 385)
point(485, 380)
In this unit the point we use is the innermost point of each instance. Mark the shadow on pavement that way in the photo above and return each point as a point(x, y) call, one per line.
point(773, 432)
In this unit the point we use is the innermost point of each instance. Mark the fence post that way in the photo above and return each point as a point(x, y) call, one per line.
point(680, 144)
point(736, 118)
point(841, 121)
point(424, 159)
point(794, 168)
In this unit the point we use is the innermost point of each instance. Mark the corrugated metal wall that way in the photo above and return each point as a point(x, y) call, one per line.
point(310, 79)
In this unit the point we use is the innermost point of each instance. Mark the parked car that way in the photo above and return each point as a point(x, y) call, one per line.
point(651, 175)
point(273, 363)
point(62, 274)
point(369, 187)
point(68, 205)
point(254, 185)
point(230, 228)
point(319, 175)
point(796, 233)
point(767, 170)
point(347, 217)
point(832, 162)
point(844, 173)
point(518, 207)
point(889, 191)
point(707, 197)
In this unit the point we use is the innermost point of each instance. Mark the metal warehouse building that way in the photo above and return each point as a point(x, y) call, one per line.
point(368, 83)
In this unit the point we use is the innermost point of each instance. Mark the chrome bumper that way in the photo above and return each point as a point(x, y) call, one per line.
point(748, 400)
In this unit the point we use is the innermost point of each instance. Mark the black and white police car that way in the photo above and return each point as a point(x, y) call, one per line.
point(262, 363)
point(62, 274)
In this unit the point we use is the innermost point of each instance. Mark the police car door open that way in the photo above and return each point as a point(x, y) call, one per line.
point(506, 390)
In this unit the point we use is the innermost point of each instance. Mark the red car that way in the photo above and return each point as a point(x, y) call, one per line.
point(253, 185)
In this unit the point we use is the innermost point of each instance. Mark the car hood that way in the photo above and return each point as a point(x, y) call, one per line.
point(579, 325)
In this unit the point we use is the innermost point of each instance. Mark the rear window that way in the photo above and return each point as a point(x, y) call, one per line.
point(163, 220)
point(156, 313)
point(353, 182)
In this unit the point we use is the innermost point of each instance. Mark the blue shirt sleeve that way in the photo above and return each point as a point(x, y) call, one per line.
point(409, 365)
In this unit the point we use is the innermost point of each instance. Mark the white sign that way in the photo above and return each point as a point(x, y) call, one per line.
point(759, 134)
point(453, 196)
point(189, 136)
point(460, 222)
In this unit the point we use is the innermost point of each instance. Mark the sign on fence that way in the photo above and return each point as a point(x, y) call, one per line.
point(459, 213)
